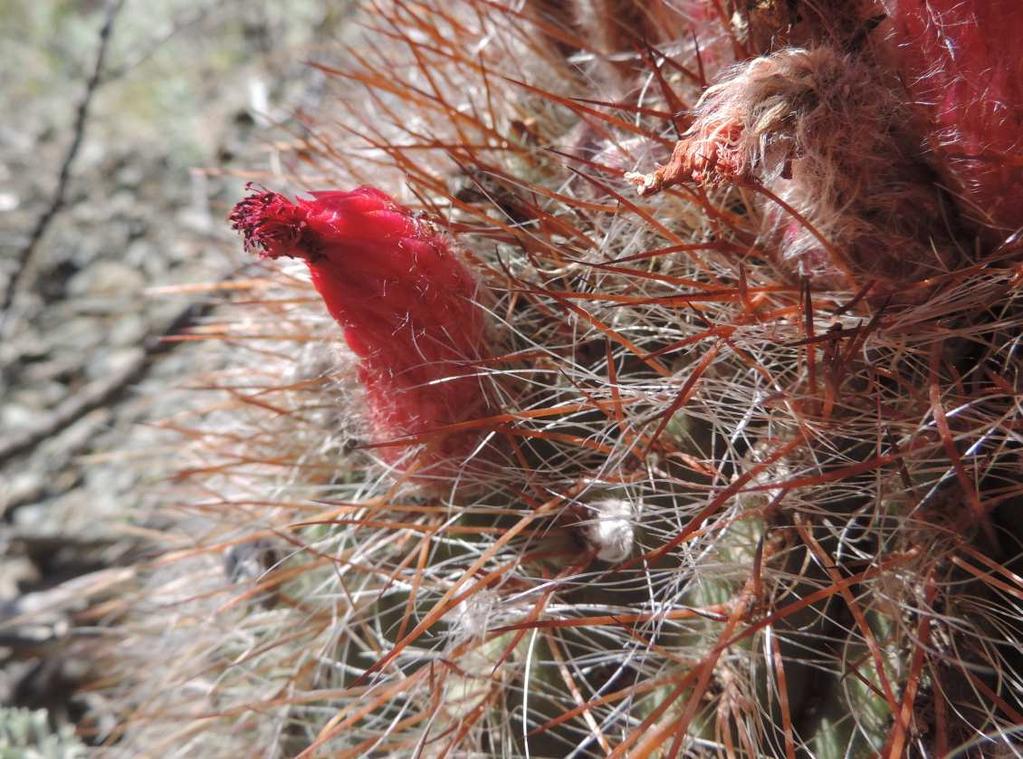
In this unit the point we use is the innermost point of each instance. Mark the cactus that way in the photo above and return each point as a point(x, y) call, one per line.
point(744, 480)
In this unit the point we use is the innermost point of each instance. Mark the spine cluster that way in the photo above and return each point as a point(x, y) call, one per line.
point(526, 463)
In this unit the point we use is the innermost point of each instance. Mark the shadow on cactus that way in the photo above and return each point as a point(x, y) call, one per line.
point(726, 467)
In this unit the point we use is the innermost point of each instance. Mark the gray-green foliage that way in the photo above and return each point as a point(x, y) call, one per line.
point(27, 734)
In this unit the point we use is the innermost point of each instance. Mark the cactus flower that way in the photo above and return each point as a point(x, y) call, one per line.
point(404, 300)
point(958, 61)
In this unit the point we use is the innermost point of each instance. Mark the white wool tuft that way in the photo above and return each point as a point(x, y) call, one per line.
point(610, 531)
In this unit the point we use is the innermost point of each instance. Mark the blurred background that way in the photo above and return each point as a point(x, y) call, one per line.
point(131, 129)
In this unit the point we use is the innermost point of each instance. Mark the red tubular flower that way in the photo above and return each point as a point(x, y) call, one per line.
point(959, 60)
point(407, 305)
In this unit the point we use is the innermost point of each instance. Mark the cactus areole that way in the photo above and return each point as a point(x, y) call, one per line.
point(405, 302)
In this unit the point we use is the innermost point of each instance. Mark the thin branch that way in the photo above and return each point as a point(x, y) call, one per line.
point(25, 255)
point(103, 391)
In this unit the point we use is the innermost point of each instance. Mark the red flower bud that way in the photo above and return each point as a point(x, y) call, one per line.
point(406, 303)
point(959, 60)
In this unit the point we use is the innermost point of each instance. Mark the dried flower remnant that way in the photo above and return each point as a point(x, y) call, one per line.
point(822, 132)
point(406, 303)
point(766, 26)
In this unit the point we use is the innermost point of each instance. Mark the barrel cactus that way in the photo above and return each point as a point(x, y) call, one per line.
point(680, 417)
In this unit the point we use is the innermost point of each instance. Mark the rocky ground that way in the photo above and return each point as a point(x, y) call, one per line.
point(114, 183)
